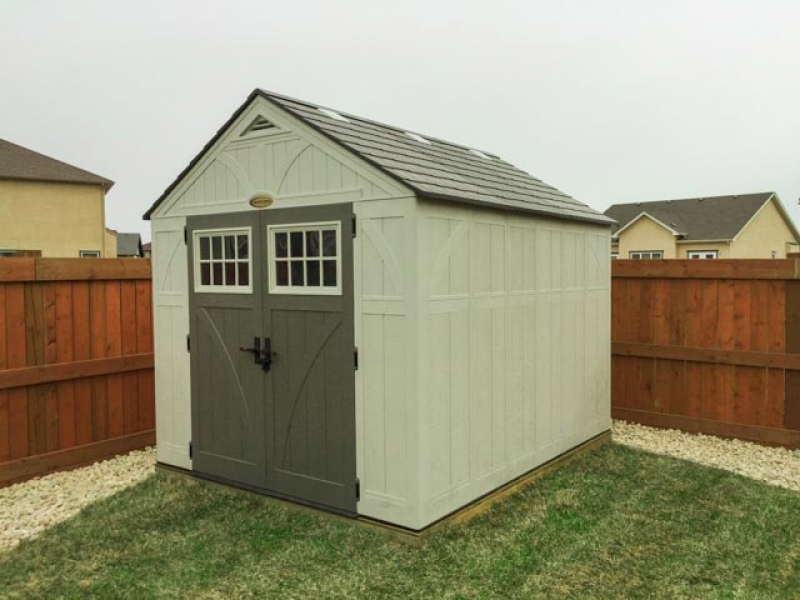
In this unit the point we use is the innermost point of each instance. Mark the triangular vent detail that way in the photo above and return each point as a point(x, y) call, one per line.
point(259, 124)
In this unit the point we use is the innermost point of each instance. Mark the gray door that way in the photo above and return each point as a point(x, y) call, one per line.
point(225, 311)
point(311, 450)
point(286, 427)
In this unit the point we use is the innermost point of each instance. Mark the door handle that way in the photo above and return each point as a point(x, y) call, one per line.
point(255, 350)
point(263, 356)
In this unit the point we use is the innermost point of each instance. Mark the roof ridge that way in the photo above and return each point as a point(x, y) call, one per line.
point(374, 122)
point(766, 195)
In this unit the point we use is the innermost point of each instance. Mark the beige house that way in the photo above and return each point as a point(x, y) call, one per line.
point(50, 208)
point(739, 226)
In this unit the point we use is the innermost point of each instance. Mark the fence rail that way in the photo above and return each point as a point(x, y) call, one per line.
point(76, 362)
point(709, 346)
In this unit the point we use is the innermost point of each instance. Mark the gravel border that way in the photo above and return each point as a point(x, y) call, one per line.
point(28, 508)
point(773, 465)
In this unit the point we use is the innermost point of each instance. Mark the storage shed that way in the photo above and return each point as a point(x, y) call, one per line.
point(371, 320)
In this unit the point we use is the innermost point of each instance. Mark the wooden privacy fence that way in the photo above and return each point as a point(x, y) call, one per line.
point(710, 346)
point(76, 362)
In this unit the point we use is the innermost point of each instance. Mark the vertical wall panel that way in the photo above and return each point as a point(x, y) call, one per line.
point(533, 325)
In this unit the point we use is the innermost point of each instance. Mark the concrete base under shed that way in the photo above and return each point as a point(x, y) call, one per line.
point(461, 516)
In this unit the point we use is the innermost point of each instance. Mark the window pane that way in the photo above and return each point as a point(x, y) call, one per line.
point(296, 238)
point(242, 243)
point(282, 273)
point(205, 274)
point(329, 273)
point(329, 243)
point(230, 246)
point(216, 247)
point(230, 273)
point(312, 243)
point(204, 248)
point(312, 272)
point(216, 272)
point(297, 273)
point(281, 250)
point(244, 273)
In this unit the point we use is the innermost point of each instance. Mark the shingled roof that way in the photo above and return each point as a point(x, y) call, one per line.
point(696, 219)
point(430, 167)
point(19, 163)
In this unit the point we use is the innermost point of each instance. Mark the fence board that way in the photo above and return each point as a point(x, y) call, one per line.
point(723, 338)
point(76, 360)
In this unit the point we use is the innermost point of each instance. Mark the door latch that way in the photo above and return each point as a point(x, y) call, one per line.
point(262, 356)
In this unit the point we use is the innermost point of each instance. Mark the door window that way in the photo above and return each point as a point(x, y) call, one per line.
point(305, 258)
point(222, 261)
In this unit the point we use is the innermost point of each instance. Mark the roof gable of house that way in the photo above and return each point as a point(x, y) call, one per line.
point(429, 167)
point(696, 219)
point(129, 244)
point(19, 163)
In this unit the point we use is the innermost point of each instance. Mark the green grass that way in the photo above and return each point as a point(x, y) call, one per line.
point(615, 523)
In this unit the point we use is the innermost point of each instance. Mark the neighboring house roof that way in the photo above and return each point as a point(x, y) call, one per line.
point(129, 244)
point(432, 168)
point(698, 219)
point(20, 163)
point(146, 247)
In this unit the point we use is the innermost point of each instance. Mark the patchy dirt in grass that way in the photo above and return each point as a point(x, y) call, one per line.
point(28, 508)
point(777, 466)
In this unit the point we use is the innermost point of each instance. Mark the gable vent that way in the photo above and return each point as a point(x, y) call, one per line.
point(259, 124)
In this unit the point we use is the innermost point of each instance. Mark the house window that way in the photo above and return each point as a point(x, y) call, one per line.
point(646, 254)
point(703, 254)
point(89, 253)
point(305, 259)
point(614, 255)
point(222, 262)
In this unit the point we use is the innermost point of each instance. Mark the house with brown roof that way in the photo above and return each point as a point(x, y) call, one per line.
point(737, 226)
point(50, 208)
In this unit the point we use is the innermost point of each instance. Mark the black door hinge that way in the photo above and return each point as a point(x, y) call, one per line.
point(358, 489)
point(354, 226)
point(185, 235)
point(191, 450)
point(355, 359)
point(188, 343)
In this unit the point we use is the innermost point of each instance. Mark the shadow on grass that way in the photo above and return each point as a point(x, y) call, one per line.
point(616, 523)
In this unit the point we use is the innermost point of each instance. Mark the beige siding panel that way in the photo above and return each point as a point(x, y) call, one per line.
point(531, 328)
point(387, 436)
point(766, 233)
point(57, 219)
point(646, 235)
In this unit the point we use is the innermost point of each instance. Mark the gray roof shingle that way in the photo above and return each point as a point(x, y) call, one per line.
point(696, 219)
point(17, 162)
point(129, 244)
point(438, 170)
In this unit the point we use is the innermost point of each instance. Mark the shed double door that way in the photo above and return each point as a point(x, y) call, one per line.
point(272, 352)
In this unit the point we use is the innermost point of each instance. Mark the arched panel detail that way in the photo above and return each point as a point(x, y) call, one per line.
point(386, 254)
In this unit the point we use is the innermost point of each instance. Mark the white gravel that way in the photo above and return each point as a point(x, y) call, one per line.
point(776, 466)
point(28, 508)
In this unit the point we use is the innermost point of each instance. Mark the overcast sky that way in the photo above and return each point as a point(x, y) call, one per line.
point(613, 101)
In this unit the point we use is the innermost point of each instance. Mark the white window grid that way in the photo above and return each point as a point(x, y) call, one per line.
point(303, 256)
point(647, 254)
point(217, 261)
point(703, 254)
point(89, 253)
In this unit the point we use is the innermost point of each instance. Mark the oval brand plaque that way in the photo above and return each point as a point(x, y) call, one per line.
point(261, 201)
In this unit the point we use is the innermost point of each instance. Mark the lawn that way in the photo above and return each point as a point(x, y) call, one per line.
point(615, 523)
